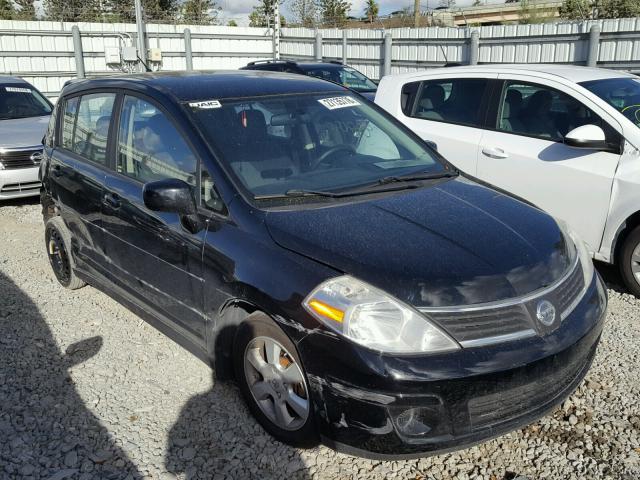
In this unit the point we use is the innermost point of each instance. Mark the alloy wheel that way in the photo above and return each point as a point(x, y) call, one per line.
point(635, 262)
point(276, 383)
point(58, 256)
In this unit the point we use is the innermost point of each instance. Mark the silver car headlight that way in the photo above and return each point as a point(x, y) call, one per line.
point(580, 249)
point(374, 319)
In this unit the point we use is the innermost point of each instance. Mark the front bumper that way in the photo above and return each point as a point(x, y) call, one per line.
point(18, 183)
point(403, 407)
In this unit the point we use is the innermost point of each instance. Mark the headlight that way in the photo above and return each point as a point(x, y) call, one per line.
point(374, 319)
point(580, 249)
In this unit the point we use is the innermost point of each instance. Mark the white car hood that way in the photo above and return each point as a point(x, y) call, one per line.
point(23, 132)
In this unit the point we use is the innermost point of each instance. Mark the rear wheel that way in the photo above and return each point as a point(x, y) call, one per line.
point(58, 241)
point(630, 262)
point(272, 380)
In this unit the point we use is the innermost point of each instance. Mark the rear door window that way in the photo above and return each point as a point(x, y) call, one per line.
point(455, 100)
point(86, 125)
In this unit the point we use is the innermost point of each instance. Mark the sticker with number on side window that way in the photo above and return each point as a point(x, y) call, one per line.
point(339, 102)
point(206, 104)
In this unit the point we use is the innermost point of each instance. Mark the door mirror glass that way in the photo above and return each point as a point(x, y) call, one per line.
point(586, 136)
point(170, 195)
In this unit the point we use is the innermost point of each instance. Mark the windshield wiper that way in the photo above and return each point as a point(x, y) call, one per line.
point(321, 193)
point(416, 176)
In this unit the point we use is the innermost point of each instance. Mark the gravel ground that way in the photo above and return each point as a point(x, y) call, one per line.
point(88, 390)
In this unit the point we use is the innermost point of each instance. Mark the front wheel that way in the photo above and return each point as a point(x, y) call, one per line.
point(58, 241)
point(630, 262)
point(272, 380)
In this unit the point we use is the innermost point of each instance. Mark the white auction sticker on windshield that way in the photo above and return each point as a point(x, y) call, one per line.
point(339, 102)
point(206, 104)
point(18, 89)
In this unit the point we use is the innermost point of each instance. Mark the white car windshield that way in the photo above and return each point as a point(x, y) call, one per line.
point(621, 93)
point(311, 142)
point(22, 101)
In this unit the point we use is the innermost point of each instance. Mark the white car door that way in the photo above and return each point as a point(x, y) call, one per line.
point(447, 109)
point(526, 156)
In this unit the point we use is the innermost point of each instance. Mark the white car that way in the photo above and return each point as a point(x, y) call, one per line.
point(24, 116)
point(564, 138)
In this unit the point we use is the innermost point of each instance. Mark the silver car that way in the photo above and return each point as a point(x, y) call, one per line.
point(24, 116)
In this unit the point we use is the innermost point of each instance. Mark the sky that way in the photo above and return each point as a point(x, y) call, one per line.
point(239, 10)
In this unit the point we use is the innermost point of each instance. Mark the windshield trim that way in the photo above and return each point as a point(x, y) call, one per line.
point(248, 197)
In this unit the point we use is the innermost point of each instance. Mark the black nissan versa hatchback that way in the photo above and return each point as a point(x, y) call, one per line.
point(362, 291)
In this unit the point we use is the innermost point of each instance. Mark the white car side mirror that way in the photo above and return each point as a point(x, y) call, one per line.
point(587, 136)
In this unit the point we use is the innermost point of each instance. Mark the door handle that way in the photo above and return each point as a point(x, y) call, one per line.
point(111, 200)
point(494, 152)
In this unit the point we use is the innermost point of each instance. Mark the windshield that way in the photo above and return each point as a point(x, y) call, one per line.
point(313, 142)
point(621, 93)
point(347, 76)
point(22, 101)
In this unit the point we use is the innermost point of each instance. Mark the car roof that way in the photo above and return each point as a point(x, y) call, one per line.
point(200, 85)
point(6, 79)
point(572, 73)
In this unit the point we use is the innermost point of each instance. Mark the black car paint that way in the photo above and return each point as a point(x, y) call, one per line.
point(197, 287)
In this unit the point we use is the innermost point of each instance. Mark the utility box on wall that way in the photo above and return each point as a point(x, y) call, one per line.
point(112, 56)
point(155, 55)
point(129, 54)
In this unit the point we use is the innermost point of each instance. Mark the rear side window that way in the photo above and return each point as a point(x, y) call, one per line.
point(86, 125)
point(149, 146)
point(448, 100)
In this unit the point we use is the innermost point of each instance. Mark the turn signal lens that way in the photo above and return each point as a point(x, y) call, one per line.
point(325, 310)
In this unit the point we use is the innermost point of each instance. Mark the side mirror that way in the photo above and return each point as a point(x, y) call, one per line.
point(171, 195)
point(587, 136)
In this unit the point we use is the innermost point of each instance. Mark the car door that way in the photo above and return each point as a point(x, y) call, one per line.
point(450, 112)
point(154, 256)
point(77, 170)
point(525, 153)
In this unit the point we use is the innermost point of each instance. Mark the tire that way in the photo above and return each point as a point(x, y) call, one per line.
point(58, 244)
point(274, 386)
point(629, 260)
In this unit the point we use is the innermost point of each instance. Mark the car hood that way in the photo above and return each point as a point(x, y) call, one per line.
point(457, 243)
point(23, 132)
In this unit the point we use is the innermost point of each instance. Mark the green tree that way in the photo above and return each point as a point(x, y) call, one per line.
point(576, 9)
point(305, 12)
point(531, 13)
point(371, 10)
point(477, 3)
point(334, 12)
point(25, 11)
point(263, 13)
point(6, 10)
point(618, 8)
point(200, 12)
point(72, 10)
point(232, 23)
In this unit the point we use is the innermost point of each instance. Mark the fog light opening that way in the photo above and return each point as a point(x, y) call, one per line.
point(410, 423)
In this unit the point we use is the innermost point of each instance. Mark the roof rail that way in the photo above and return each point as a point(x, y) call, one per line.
point(337, 62)
point(270, 60)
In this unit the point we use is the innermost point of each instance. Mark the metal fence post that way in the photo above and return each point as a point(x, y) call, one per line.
point(474, 47)
point(188, 53)
point(386, 59)
point(77, 50)
point(142, 44)
point(317, 47)
point(344, 47)
point(594, 44)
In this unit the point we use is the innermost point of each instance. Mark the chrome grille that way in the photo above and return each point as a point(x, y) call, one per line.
point(15, 159)
point(512, 319)
point(20, 187)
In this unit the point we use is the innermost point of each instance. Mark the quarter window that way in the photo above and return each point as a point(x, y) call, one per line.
point(92, 126)
point(543, 112)
point(69, 122)
point(449, 100)
point(149, 146)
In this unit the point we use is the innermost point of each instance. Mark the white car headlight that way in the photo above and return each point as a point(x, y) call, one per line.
point(374, 319)
point(586, 261)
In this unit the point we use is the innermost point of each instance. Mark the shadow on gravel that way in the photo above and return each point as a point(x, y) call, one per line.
point(216, 437)
point(611, 276)
point(20, 202)
point(46, 431)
